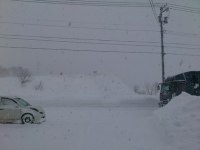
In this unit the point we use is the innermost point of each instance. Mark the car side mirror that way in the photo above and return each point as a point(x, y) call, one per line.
point(158, 88)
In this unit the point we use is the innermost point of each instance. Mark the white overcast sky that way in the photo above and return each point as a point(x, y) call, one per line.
point(91, 22)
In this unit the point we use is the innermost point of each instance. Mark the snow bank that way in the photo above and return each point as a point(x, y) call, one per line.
point(180, 120)
point(62, 89)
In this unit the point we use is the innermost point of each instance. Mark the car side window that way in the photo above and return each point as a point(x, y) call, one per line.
point(8, 102)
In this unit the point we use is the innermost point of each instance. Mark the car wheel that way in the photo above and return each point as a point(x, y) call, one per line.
point(27, 119)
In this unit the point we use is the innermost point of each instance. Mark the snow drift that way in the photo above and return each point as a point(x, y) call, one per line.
point(95, 89)
point(180, 120)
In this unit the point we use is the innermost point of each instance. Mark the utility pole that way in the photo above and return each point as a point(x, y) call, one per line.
point(163, 21)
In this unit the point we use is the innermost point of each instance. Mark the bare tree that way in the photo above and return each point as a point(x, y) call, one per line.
point(23, 74)
point(148, 89)
point(151, 89)
point(137, 90)
point(39, 86)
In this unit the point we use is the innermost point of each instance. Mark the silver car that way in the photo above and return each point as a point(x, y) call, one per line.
point(17, 110)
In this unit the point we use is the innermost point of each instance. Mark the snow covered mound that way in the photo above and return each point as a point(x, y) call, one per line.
point(55, 90)
point(180, 120)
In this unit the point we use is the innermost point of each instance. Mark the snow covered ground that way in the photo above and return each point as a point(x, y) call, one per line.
point(94, 89)
point(100, 112)
point(86, 128)
point(180, 120)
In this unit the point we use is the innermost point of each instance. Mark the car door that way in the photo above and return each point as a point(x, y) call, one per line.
point(2, 112)
point(10, 111)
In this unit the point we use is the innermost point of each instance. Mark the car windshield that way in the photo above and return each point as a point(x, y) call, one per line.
point(165, 88)
point(22, 102)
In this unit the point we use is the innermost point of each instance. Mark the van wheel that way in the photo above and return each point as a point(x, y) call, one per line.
point(27, 119)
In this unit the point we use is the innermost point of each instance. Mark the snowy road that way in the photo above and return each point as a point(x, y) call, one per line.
point(87, 128)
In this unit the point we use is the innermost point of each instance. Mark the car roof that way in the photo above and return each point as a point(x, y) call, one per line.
point(12, 97)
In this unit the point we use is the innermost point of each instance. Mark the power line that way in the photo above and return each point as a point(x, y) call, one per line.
point(96, 43)
point(116, 4)
point(193, 35)
point(184, 48)
point(153, 10)
point(75, 22)
point(74, 38)
point(182, 35)
point(186, 44)
point(78, 27)
point(93, 41)
point(78, 50)
point(181, 8)
point(33, 24)
point(91, 3)
point(183, 54)
point(184, 8)
point(83, 42)
point(98, 28)
point(96, 51)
